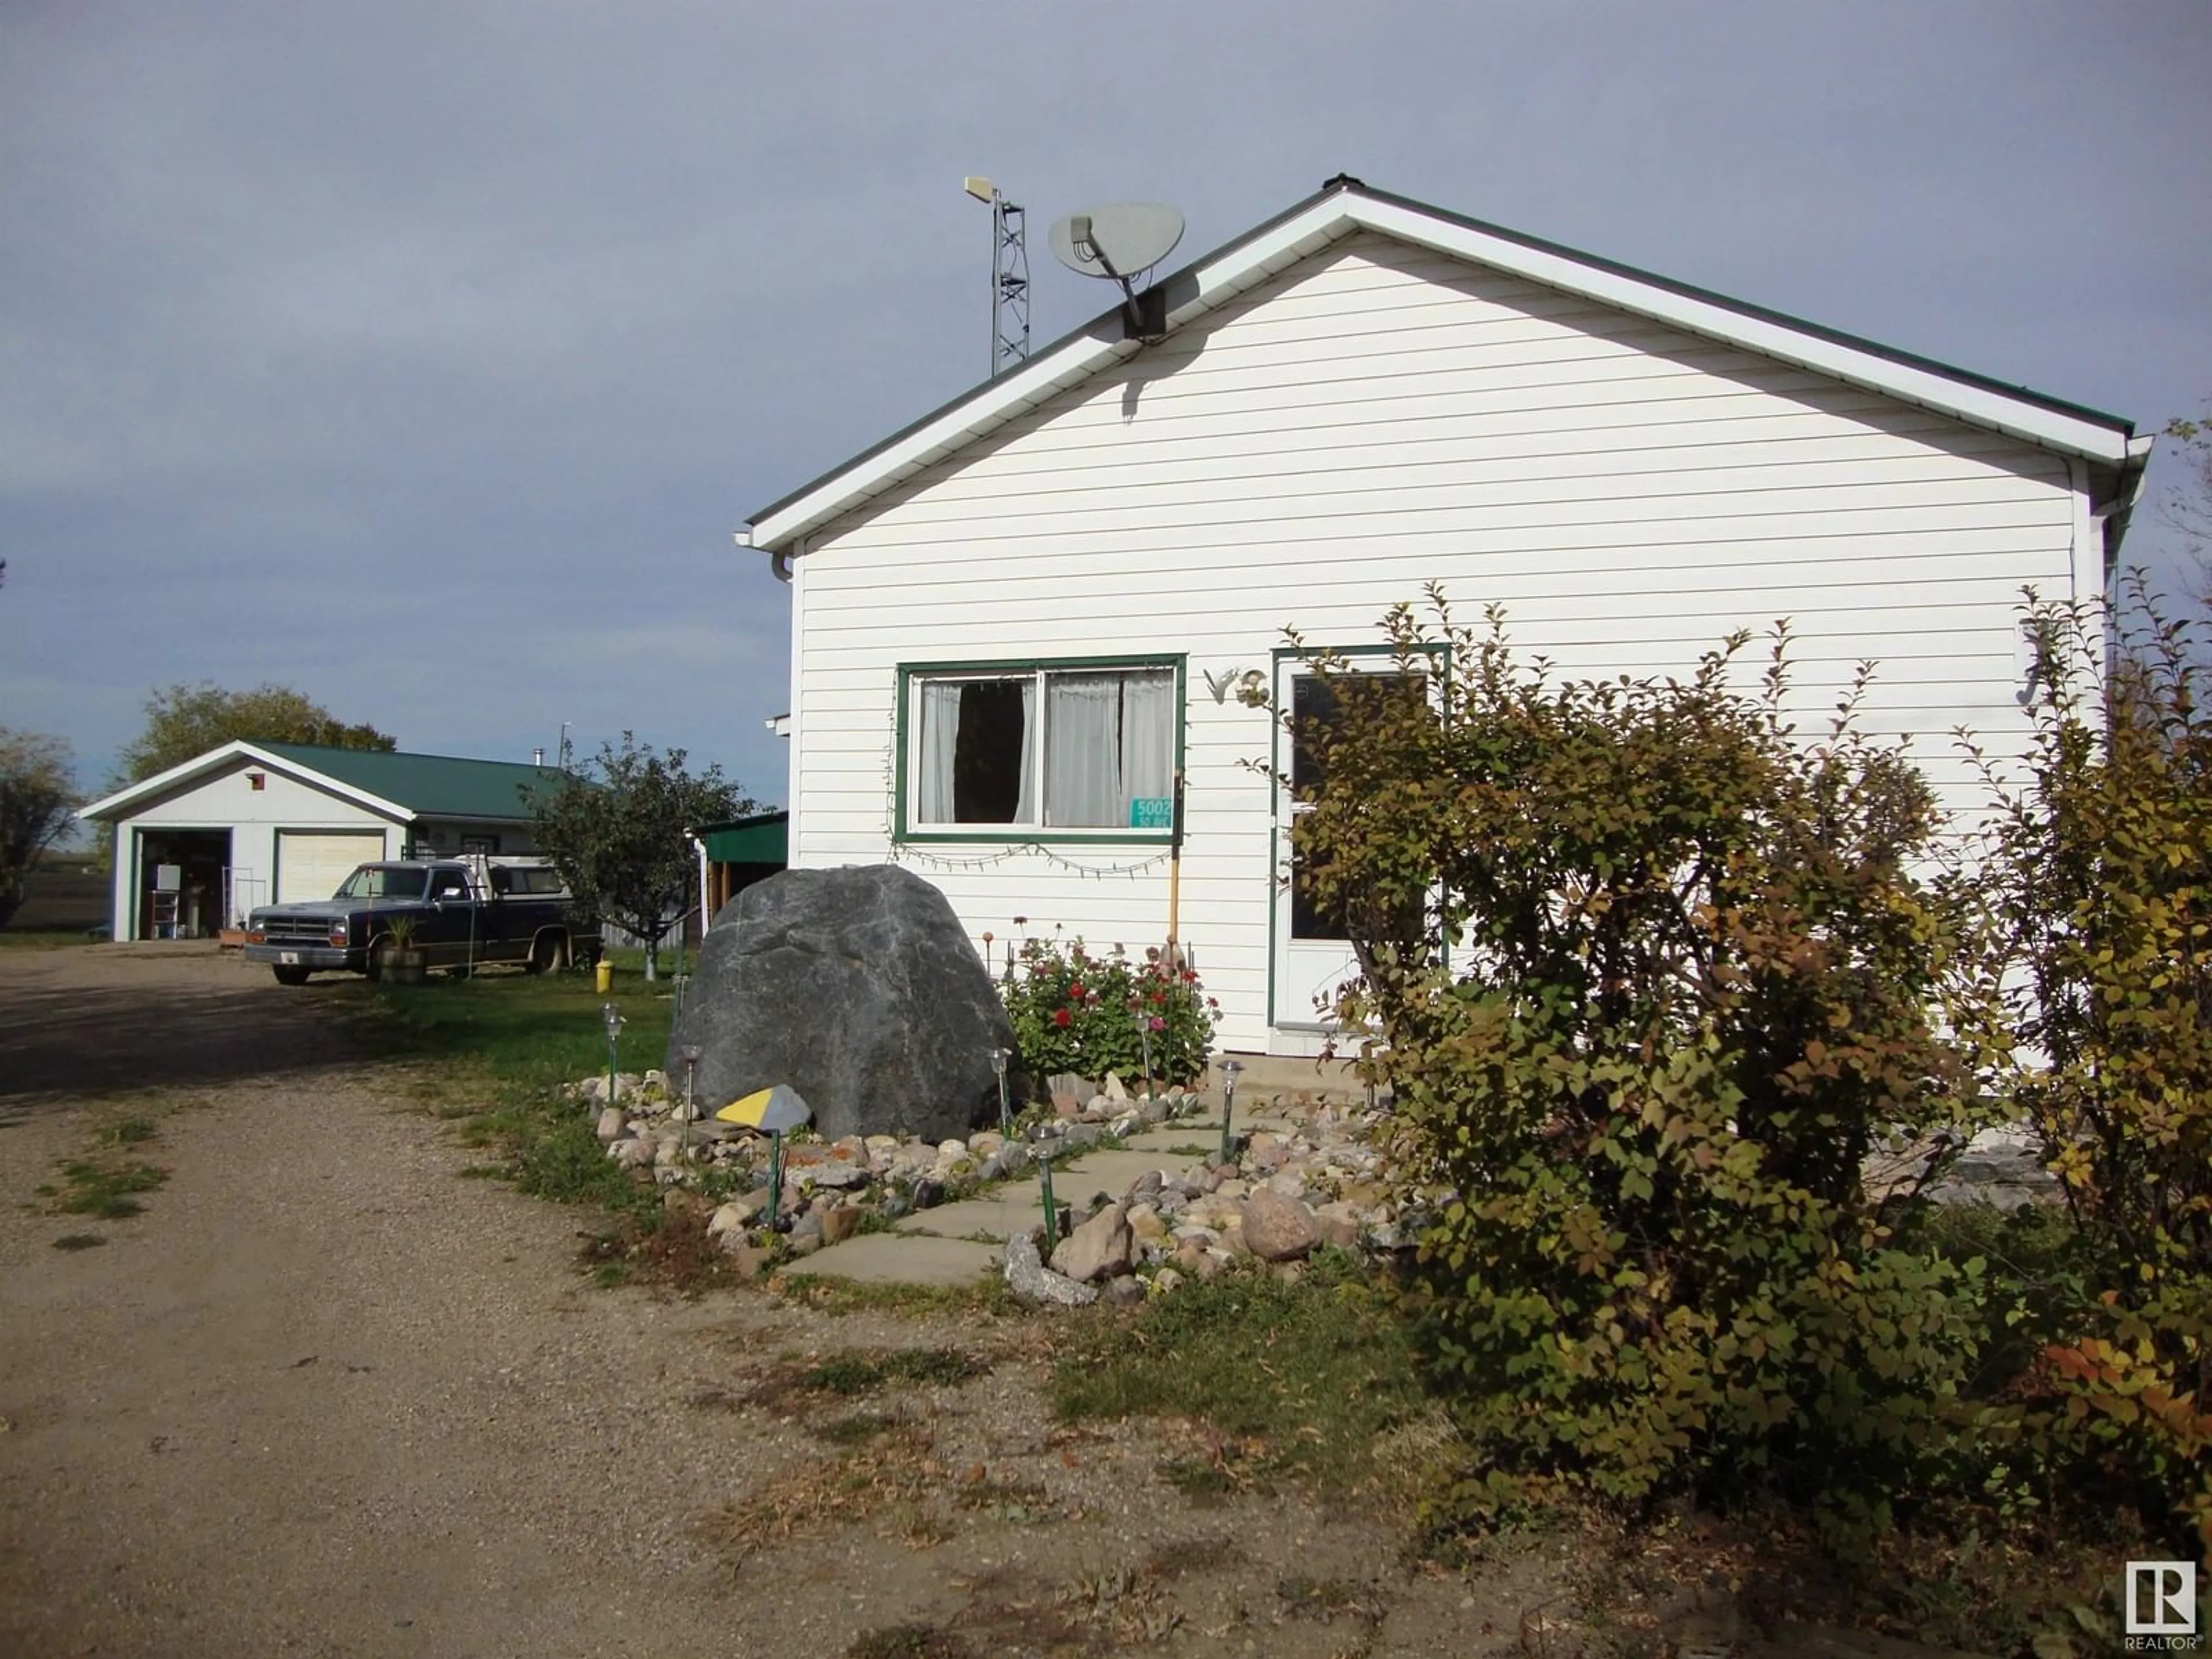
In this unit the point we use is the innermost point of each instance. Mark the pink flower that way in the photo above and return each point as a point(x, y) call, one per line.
point(1158, 1024)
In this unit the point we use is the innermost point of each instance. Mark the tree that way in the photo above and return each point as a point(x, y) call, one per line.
point(36, 797)
point(617, 834)
point(185, 721)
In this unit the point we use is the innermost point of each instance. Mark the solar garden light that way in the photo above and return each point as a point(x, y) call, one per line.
point(1144, 1038)
point(1230, 1066)
point(689, 1053)
point(612, 1016)
point(775, 1178)
point(999, 1058)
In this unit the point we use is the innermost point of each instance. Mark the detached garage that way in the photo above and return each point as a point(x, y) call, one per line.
point(200, 845)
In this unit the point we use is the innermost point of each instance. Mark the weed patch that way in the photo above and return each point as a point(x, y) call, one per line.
point(887, 1483)
point(909, 1642)
point(105, 1190)
point(79, 1242)
point(1284, 1381)
point(861, 1371)
point(669, 1249)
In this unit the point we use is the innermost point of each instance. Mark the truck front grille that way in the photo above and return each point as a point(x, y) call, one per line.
point(314, 928)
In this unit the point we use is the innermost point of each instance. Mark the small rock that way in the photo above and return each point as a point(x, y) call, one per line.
point(746, 1258)
point(1145, 1186)
point(1126, 1291)
point(928, 1194)
point(1030, 1280)
point(612, 1125)
point(729, 1218)
point(805, 1243)
point(949, 1149)
point(1145, 1224)
point(1099, 1248)
point(1114, 1090)
point(633, 1153)
point(840, 1223)
point(1166, 1281)
point(1338, 1224)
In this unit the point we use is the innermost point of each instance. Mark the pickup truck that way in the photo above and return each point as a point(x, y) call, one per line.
point(460, 913)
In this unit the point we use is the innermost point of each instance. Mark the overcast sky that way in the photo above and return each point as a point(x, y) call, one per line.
point(424, 356)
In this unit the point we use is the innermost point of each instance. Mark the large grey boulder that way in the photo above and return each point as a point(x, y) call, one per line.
point(859, 988)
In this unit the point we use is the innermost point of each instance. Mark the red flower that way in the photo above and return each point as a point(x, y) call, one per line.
point(1190, 976)
point(1159, 997)
point(1059, 1016)
point(1076, 990)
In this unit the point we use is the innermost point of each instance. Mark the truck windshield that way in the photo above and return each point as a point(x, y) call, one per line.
point(375, 881)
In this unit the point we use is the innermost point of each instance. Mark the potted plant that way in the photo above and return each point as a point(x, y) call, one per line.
point(395, 956)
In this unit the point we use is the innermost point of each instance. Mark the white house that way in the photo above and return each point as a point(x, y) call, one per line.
point(199, 846)
point(1015, 620)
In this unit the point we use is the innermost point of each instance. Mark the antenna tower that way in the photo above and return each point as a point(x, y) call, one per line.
point(1009, 277)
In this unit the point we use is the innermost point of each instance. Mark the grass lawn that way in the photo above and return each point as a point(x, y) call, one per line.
point(42, 939)
point(503, 1043)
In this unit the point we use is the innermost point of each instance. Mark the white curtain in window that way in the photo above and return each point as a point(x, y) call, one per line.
point(1025, 812)
point(1083, 750)
point(940, 739)
point(1148, 713)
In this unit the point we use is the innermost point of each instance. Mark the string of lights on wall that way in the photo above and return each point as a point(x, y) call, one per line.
point(986, 860)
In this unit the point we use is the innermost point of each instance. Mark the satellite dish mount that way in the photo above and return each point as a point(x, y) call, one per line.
point(1121, 241)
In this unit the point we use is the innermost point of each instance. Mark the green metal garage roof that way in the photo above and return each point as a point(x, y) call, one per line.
point(430, 786)
point(764, 838)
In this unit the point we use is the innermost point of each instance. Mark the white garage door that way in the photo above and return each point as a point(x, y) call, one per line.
point(310, 863)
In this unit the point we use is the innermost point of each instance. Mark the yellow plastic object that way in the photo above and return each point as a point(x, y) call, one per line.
point(772, 1110)
point(604, 980)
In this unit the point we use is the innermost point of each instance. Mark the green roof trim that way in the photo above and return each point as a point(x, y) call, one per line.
point(429, 786)
point(765, 839)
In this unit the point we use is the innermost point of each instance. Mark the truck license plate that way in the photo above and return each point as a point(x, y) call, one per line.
point(289, 956)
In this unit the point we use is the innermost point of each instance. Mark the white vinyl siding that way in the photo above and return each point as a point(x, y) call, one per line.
point(1374, 418)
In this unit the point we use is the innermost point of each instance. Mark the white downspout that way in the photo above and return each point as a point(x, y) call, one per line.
point(706, 916)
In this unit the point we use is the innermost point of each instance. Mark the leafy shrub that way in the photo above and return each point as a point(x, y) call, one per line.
point(1076, 1012)
point(1650, 977)
point(2105, 892)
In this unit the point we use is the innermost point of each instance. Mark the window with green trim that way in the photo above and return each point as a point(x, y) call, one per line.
point(1078, 747)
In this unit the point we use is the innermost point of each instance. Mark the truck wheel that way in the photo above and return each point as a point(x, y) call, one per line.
point(547, 952)
point(290, 975)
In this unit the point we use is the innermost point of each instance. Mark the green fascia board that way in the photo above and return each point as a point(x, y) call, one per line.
point(765, 839)
point(430, 786)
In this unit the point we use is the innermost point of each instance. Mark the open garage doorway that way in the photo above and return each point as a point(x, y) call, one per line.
point(183, 875)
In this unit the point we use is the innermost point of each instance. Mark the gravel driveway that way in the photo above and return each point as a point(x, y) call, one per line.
point(324, 1397)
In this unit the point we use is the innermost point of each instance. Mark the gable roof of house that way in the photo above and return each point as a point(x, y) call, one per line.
point(400, 786)
point(1345, 206)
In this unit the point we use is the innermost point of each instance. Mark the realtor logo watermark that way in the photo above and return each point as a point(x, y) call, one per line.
point(2158, 1614)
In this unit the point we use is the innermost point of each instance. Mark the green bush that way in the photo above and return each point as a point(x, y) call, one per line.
point(2104, 888)
point(1080, 1014)
point(1650, 976)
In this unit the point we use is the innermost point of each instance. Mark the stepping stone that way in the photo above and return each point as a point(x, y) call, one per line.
point(900, 1259)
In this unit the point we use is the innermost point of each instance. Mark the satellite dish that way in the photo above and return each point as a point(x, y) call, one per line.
point(1120, 241)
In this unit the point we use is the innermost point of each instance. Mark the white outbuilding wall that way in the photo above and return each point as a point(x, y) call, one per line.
point(229, 800)
point(1375, 417)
